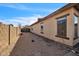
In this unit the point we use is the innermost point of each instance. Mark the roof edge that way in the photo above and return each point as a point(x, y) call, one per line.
point(55, 12)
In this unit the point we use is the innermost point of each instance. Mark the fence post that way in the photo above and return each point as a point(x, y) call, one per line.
point(9, 35)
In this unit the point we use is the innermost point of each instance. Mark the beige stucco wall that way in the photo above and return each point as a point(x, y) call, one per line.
point(50, 27)
point(77, 13)
point(5, 47)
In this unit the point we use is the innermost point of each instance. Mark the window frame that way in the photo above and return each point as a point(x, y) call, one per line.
point(42, 28)
point(75, 24)
point(61, 19)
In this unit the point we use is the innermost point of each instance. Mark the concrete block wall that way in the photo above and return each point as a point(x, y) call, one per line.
point(8, 38)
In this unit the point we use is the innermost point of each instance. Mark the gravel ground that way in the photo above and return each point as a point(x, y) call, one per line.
point(32, 45)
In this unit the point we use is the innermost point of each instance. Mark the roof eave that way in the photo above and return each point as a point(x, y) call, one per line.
point(57, 11)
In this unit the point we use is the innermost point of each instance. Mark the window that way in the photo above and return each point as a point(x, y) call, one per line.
point(75, 26)
point(42, 28)
point(32, 29)
point(61, 26)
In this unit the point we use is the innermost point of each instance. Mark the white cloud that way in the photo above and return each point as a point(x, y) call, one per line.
point(24, 7)
point(21, 20)
point(15, 6)
point(24, 20)
point(3, 21)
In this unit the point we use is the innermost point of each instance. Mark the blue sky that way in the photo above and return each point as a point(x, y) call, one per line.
point(26, 13)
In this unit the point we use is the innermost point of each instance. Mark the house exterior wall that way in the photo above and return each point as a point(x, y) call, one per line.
point(77, 13)
point(50, 27)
